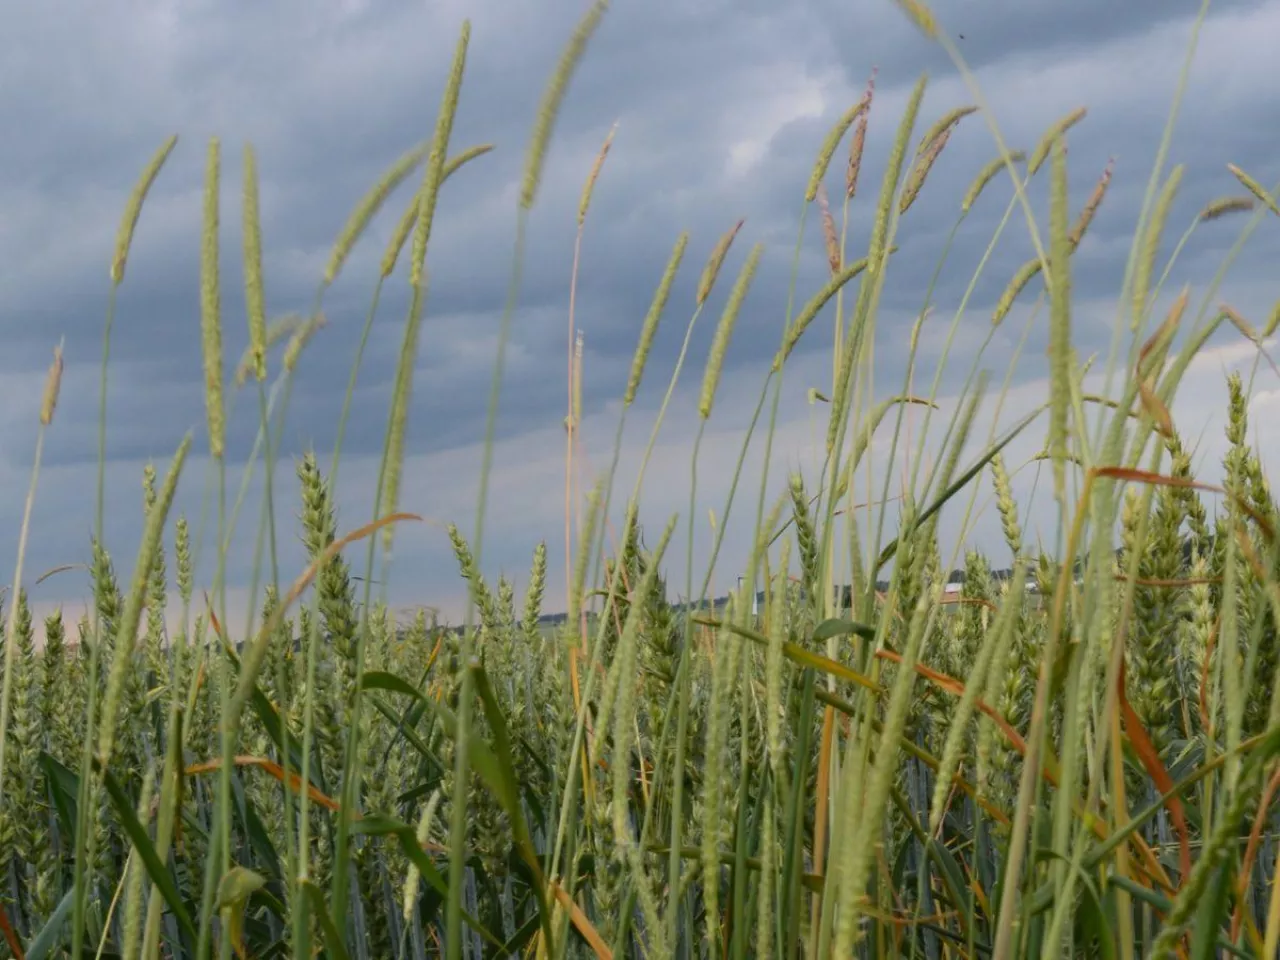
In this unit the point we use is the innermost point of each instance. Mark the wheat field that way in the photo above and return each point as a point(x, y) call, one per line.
point(1073, 753)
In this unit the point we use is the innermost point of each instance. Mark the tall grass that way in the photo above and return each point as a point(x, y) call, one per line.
point(1078, 758)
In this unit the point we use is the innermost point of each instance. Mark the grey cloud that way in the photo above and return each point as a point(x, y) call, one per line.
point(721, 108)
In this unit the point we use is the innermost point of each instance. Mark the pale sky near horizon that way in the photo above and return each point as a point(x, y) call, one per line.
point(721, 106)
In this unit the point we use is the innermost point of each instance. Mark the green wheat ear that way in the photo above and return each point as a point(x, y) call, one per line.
point(133, 208)
point(649, 328)
point(433, 173)
point(553, 98)
point(210, 306)
point(724, 330)
point(255, 302)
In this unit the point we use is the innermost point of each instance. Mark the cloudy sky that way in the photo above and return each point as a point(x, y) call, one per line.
point(721, 106)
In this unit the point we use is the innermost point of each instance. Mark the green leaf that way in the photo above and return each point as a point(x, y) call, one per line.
point(483, 761)
point(337, 950)
point(410, 735)
point(146, 851)
point(237, 884)
point(50, 934)
point(64, 787)
point(835, 627)
point(235, 887)
point(510, 796)
point(1210, 913)
point(259, 838)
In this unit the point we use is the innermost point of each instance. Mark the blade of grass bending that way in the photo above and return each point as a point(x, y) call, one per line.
point(510, 797)
point(50, 935)
point(337, 950)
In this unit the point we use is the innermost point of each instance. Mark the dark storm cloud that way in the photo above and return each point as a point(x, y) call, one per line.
point(721, 108)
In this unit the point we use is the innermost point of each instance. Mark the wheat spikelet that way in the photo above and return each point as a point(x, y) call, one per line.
point(1239, 322)
point(255, 302)
point(625, 711)
point(858, 142)
point(985, 176)
point(829, 231)
point(915, 180)
point(650, 326)
point(724, 330)
point(399, 235)
point(1059, 314)
point(1151, 245)
point(210, 306)
point(724, 681)
point(834, 136)
point(133, 208)
point(301, 337)
point(876, 253)
point(368, 207)
point(410, 216)
point(1254, 187)
point(1016, 285)
point(764, 905)
point(126, 631)
point(552, 98)
point(1272, 322)
point(1091, 205)
point(773, 661)
point(1223, 206)
point(400, 410)
point(1041, 152)
point(411, 882)
point(52, 384)
point(574, 601)
point(277, 330)
point(433, 174)
point(712, 268)
point(921, 16)
point(1006, 505)
point(944, 125)
point(811, 309)
point(975, 674)
point(589, 187)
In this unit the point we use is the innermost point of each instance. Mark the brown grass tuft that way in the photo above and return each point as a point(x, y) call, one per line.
point(1224, 206)
point(858, 142)
point(52, 384)
point(589, 187)
point(1091, 205)
point(829, 231)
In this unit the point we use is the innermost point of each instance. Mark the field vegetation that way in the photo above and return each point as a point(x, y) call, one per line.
point(1076, 757)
